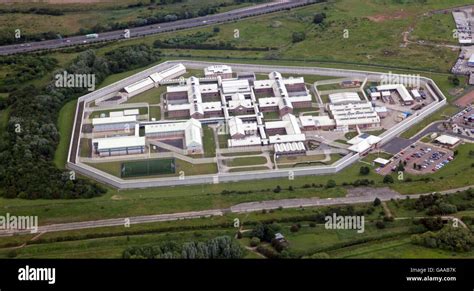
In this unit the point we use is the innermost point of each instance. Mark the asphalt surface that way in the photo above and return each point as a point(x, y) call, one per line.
point(142, 31)
point(399, 143)
point(354, 196)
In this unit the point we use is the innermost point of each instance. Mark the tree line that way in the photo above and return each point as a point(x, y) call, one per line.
point(28, 144)
point(223, 247)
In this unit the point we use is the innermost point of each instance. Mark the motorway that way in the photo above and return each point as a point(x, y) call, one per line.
point(354, 196)
point(142, 31)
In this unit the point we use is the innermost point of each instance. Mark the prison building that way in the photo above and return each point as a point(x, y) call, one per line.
point(178, 110)
point(263, 87)
point(114, 123)
point(223, 71)
point(285, 106)
point(375, 95)
point(249, 76)
point(239, 129)
point(230, 87)
point(363, 143)
point(247, 141)
point(212, 109)
point(294, 84)
point(121, 145)
point(209, 92)
point(176, 93)
point(168, 74)
point(238, 105)
point(290, 148)
point(190, 131)
point(381, 111)
point(348, 116)
point(402, 91)
point(303, 101)
point(269, 104)
point(127, 112)
point(344, 97)
point(138, 87)
point(309, 123)
point(285, 130)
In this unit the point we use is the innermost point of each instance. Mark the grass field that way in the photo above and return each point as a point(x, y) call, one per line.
point(147, 168)
point(246, 161)
point(65, 123)
point(208, 142)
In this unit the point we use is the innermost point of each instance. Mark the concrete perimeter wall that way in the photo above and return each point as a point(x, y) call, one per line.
point(228, 177)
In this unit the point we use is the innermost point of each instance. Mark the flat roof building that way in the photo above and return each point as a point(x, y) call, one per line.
point(121, 145)
point(190, 130)
point(114, 123)
point(350, 115)
point(139, 87)
point(170, 73)
point(344, 97)
point(448, 140)
point(407, 99)
point(223, 71)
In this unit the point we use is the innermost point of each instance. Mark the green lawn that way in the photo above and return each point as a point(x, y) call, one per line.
point(155, 112)
point(209, 142)
point(152, 96)
point(246, 161)
point(65, 124)
point(85, 149)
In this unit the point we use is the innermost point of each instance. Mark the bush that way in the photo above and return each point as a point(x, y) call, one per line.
point(331, 184)
point(380, 224)
point(319, 18)
point(387, 179)
point(298, 37)
point(364, 170)
point(377, 202)
point(254, 242)
point(449, 238)
point(294, 228)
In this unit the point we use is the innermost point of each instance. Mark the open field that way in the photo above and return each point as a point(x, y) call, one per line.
point(109, 242)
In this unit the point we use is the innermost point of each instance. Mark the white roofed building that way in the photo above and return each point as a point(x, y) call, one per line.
point(285, 130)
point(168, 74)
point(114, 123)
point(348, 116)
point(324, 122)
point(121, 145)
point(344, 97)
point(402, 91)
point(223, 71)
point(447, 140)
point(139, 87)
point(190, 131)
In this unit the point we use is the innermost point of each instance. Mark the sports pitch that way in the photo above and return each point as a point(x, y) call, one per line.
point(147, 168)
